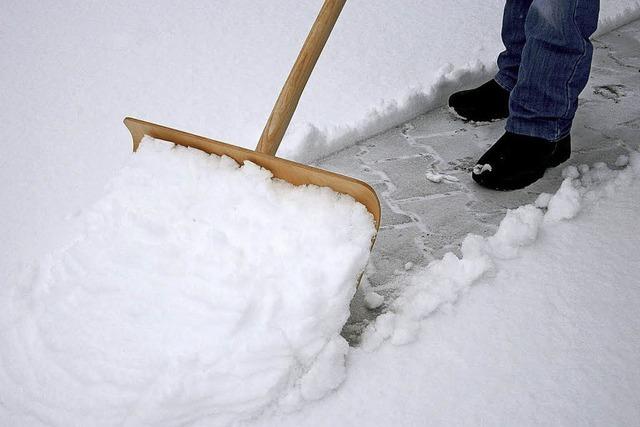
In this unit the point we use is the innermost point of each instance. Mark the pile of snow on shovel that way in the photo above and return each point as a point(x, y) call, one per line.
point(195, 290)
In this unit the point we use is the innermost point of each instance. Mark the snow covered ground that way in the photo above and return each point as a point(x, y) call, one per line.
point(559, 345)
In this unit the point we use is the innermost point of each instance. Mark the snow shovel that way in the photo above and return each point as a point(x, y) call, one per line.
point(264, 154)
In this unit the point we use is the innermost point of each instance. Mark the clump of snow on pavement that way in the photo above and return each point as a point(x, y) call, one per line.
point(622, 160)
point(542, 201)
point(480, 169)
point(439, 177)
point(373, 300)
point(442, 282)
point(196, 290)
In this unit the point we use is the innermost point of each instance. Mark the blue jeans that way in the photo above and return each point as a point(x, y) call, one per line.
point(546, 63)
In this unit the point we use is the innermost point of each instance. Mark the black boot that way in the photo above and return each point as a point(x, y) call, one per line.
point(516, 161)
point(482, 104)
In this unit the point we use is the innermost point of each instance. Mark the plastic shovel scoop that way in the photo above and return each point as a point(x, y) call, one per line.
point(264, 154)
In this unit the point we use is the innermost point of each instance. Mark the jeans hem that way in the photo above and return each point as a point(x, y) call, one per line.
point(502, 83)
point(552, 131)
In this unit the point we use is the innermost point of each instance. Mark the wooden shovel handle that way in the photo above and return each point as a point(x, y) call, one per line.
point(290, 95)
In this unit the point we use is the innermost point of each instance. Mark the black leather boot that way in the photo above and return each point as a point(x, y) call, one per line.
point(482, 104)
point(516, 161)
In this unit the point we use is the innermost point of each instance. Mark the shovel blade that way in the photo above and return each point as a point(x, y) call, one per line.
point(287, 170)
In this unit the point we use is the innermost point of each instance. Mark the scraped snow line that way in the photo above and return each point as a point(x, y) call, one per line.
point(442, 282)
point(307, 142)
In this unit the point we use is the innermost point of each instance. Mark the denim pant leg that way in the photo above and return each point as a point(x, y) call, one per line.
point(513, 37)
point(554, 69)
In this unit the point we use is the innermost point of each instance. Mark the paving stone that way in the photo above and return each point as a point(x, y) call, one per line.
point(437, 122)
point(624, 46)
point(584, 136)
point(389, 216)
point(503, 199)
point(408, 177)
point(388, 146)
point(447, 216)
point(346, 162)
point(393, 249)
point(607, 154)
point(463, 148)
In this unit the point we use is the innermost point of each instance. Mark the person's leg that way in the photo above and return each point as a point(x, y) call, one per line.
point(513, 37)
point(554, 67)
point(491, 100)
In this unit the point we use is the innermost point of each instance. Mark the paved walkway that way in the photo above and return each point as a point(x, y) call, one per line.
point(421, 219)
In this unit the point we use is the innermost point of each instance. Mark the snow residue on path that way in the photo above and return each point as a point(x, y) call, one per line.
point(444, 281)
point(549, 334)
point(196, 290)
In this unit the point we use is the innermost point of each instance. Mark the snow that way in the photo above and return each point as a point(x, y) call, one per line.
point(565, 204)
point(622, 160)
point(542, 201)
point(439, 177)
point(495, 337)
point(506, 334)
point(373, 300)
point(574, 171)
point(480, 169)
point(194, 290)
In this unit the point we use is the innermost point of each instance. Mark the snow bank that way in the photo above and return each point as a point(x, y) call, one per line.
point(196, 290)
point(616, 14)
point(442, 282)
